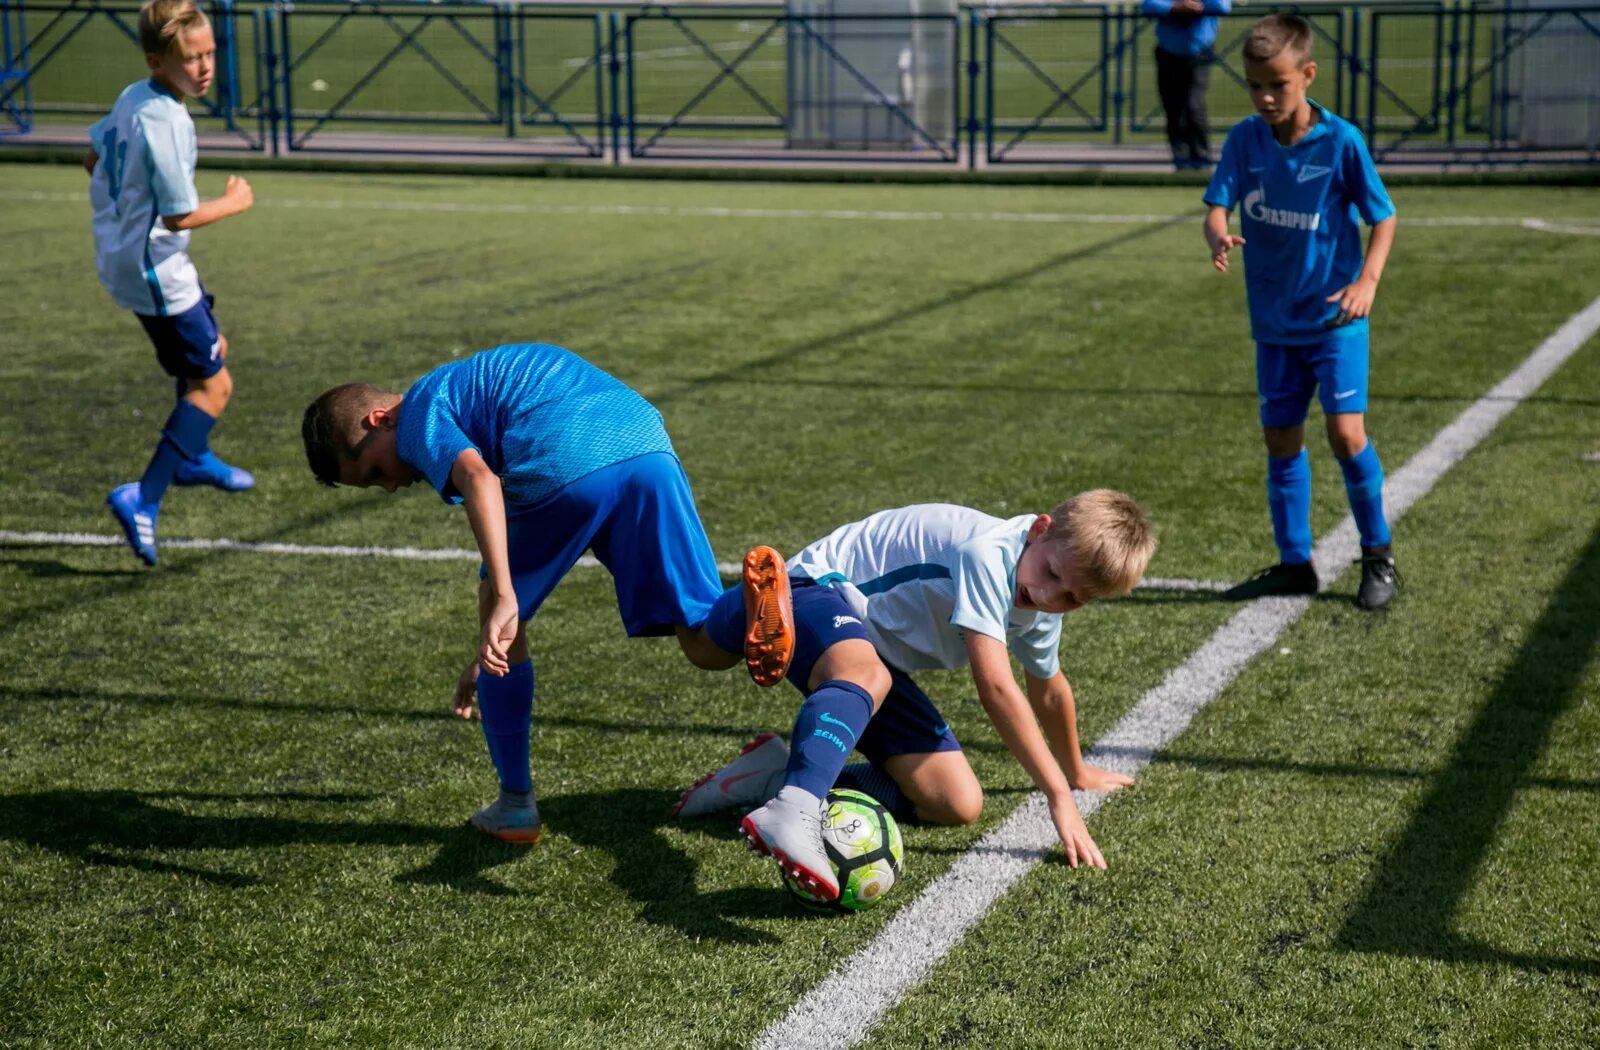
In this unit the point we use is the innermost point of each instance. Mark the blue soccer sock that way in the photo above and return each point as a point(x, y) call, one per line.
point(876, 781)
point(1363, 484)
point(725, 624)
point(1289, 496)
point(506, 706)
point(184, 437)
point(825, 732)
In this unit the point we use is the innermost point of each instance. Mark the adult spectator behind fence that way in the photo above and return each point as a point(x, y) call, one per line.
point(1185, 30)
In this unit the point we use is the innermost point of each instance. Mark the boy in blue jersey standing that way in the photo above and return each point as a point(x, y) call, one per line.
point(1304, 180)
point(920, 588)
point(141, 165)
point(551, 457)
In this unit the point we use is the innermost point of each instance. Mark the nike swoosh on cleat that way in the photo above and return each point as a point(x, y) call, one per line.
point(725, 784)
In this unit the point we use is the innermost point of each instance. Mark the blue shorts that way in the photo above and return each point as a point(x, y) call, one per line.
point(1336, 368)
point(187, 344)
point(906, 723)
point(639, 518)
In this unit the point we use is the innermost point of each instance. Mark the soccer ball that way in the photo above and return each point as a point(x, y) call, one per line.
point(863, 843)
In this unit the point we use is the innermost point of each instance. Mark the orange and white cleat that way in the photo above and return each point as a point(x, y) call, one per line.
point(768, 615)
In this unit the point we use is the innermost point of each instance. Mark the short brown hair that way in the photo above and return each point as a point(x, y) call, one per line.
point(162, 24)
point(1275, 34)
point(1111, 539)
point(331, 427)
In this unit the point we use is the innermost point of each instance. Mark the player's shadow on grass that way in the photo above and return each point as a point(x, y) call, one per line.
point(44, 570)
point(1412, 898)
point(659, 877)
point(141, 831)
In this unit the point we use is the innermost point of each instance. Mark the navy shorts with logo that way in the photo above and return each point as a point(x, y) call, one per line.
point(907, 723)
point(187, 344)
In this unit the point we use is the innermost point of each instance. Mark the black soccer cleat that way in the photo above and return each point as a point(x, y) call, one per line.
point(1281, 579)
point(1379, 580)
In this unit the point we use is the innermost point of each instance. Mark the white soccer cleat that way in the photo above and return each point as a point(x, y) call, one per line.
point(509, 822)
point(789, 829)
point(748, 781)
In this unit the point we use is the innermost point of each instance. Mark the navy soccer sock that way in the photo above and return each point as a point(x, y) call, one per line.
point(183, 438)
point(1289, 496)
point(1363, 484)
point(876, 781)
point(725, 624)
point(506, 707)
point(825, 732)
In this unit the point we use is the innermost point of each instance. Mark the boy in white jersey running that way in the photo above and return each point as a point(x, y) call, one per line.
point(919, 588)
point(141, 163)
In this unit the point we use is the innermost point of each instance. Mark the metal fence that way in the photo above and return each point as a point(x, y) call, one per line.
point(1482, 83)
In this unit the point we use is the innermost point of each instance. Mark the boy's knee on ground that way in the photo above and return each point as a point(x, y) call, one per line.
point(952, 808)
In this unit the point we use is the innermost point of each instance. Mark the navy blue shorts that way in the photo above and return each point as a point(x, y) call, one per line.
point(639, 518)
point(907, 723)
point(187, 344)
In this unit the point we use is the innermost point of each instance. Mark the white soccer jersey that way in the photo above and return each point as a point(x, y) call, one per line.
point(919, 576)
point(146, 170)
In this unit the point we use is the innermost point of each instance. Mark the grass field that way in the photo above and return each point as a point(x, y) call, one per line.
point(700, 73)
point(232, 801)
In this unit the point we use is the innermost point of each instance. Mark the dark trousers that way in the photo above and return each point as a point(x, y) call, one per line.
point(1182, 81)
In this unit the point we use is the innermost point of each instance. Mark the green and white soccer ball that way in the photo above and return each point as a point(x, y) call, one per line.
point(863, 844)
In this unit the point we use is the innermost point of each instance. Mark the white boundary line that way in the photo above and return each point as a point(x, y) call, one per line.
point(727, 568)
point(840, 1011)
point(851, 215)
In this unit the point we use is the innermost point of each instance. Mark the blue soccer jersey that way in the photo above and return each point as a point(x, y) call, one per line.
point(540, 416)
point(146, 147)
point(1300, 216)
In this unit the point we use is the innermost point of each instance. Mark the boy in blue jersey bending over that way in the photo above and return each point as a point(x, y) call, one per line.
point(551, 457)
point(1304, 179)
point(919, 588)
point(141, 165)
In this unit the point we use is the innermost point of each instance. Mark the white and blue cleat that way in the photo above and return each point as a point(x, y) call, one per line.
point(209, 470)
point(137, 518)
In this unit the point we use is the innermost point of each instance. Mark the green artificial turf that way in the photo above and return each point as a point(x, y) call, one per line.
point(232, 799)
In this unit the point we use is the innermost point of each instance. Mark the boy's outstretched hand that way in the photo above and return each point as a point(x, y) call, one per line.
point(1220, 247)
point(499, 631)
point(466, 692)
point(1075, 834)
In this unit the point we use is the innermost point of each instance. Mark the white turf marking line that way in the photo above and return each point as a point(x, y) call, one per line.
point(1027, 217)
point(841, 1010)
point(727, 568)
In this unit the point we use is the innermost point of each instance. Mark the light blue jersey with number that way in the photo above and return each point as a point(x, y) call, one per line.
point(540, 416)
point(147, 155)
point(1300, 212)
point(920, 576)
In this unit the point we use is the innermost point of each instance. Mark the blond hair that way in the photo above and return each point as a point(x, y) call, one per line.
point(1275, 34)
point(1111, 539)
point(162, 24)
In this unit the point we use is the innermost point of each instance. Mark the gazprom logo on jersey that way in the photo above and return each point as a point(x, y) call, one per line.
point(1255, 206)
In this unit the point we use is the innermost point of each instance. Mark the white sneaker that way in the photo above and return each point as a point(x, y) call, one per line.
point(508, 822)
point(789, 829)
point(748, 781)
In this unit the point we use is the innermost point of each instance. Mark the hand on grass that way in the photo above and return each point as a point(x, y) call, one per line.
point(499, 631)
point(1074, 834)
point(1355, 300)
point(1093, 778)
point(466, 692)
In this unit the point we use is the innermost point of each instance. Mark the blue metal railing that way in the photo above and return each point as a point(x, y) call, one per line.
point(1040, 84)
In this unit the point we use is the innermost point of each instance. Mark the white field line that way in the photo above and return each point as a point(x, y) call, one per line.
point(842, 214)
point(840, 1011)
point(727, 568)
